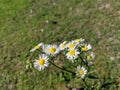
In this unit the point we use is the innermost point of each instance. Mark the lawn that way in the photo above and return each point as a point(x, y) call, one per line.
point(25, 23)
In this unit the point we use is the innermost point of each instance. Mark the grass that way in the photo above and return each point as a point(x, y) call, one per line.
point(25, 23)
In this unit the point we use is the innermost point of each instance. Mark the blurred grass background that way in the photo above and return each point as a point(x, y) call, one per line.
point(25, 23)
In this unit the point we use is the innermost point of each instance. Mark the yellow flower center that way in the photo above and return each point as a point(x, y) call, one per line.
point(41, 61)
point(36, 47)
point(71, 45)
point(89, 56)
point(77, 40)
point(62, 45)
point(52, 50)
point(84, 48)
point(72, 52)
point(80, 72)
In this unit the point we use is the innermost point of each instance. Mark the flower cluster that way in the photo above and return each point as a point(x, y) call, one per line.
point(75, 51)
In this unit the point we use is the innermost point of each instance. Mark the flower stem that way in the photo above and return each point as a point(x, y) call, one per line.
point(85, 83)
point(62, 68)
point(84, 62)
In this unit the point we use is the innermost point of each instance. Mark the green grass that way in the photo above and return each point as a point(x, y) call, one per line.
point(21, 25)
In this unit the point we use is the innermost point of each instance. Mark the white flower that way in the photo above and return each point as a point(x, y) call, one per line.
point(42, 62)
point(90, 63)
point(71, 45)
point(51, 49)
point(90, 56)
point(79, 40)
point(72, 54)
point(36, 47)
point(86, 47)
point(81, 71)
point(62, 46)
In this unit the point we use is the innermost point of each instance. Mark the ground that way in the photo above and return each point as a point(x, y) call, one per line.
point(25, 23)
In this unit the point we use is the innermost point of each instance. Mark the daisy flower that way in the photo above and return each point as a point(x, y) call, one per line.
point(90, 56)
point(72, 54)
point(42, 62)
point(51, 49)
point(62, 46)
point(86, 47)
point(71, 45)
point(81, 72)
point(36, 47)
point(90, 63)
point(79, 40)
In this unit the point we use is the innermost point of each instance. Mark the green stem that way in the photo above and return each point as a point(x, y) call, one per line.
point(62, 68)
point(85, 83)
point(84, 62)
